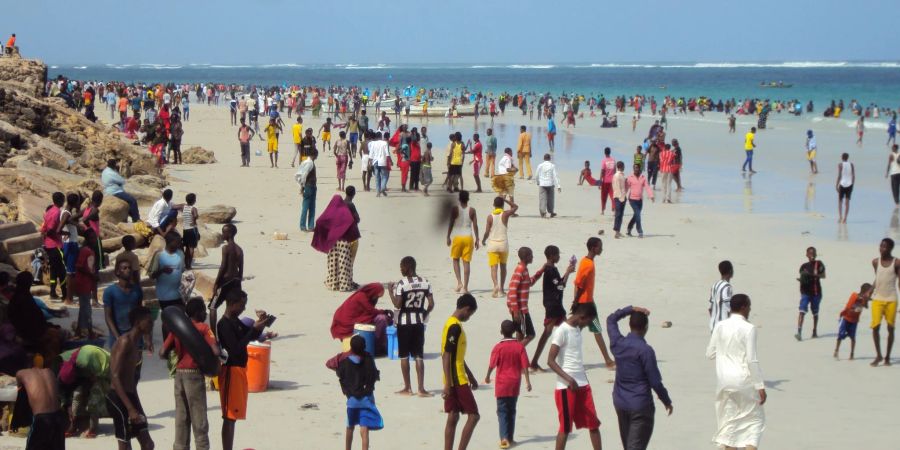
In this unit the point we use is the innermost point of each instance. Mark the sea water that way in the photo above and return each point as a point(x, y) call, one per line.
point(821, 82)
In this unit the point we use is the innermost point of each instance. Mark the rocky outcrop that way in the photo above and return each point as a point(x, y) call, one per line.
point(28, 75)
point(218, 214)
point(197, 155)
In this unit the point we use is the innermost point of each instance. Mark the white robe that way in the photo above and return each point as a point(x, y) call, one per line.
point(741, 419)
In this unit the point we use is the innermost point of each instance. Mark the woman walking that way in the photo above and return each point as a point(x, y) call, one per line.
point(337, 234)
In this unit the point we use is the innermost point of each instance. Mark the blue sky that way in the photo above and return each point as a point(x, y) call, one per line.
point(450, 31)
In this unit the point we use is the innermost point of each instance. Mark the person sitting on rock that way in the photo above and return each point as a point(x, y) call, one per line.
point(114, 184)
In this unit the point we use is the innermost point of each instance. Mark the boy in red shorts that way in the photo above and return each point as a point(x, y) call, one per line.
point(574, 400)
point(850, 317)
point(458, 379)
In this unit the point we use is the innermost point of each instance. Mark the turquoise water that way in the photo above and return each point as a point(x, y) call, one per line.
point(821, 82)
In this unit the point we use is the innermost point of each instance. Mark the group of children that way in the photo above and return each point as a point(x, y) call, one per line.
point(413, 298)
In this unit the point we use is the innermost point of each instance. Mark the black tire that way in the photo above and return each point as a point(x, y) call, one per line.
point(178, 323)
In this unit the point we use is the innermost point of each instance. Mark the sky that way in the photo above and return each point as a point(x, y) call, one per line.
point(450, 31)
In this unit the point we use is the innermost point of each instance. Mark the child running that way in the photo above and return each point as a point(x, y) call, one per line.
point(409, 295)
point(511, 361)
point(458, 379)
point(357, 374)
point(553, 287)
point(574, 400)
point(850, 317)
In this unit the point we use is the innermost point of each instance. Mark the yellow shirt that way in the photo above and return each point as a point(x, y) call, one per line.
point(748, 141)
point(456, 154)
point(525, 142)
point(453, 340)
point(298, 132)
point(271, 132)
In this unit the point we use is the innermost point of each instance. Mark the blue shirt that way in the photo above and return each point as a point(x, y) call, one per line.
point(636, 370)
point(113, 183)
point(168, 284)
point(551, 126)
point(121, 303)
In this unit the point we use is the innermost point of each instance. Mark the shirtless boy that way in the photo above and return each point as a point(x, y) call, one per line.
point(49, 423)
point(122, 400)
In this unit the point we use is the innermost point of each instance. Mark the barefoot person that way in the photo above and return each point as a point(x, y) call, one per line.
point(749, 146)
point(517, 297)
point(122, 400)
point(574, 399)
point(48, 425)
point(357, 375)
point(496, 241)
point(462, 238)
point(553, 287)
point(636, 375)
point(584, 293)
point(413, 297)
point(884, 299)
point(720, 295)
point(850, 318)
point(231, 271)
point(811, 274)
point(511, 362)
point(458, 379)
point(740, 392)
point(811, 149)
point(844, 185)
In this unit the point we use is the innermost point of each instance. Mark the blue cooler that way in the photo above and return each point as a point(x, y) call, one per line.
point(368, 333)
point(393, 350)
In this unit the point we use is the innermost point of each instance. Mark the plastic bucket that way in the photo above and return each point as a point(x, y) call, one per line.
point(368, 333)
point(393, 350)
point(258, 362)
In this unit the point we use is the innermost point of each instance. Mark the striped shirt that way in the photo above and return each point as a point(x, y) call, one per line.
point(519, 285)
point(719, 303)
point(667, 161)
point(413, 293)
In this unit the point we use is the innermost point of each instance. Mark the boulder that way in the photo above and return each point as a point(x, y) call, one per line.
point(156, 245)
point(149, 180)
point(108, 230)
point(210, 238)
point(217, 214)
point(31, 208)
point(197, 155)
point(9, 269)
point(113, 210)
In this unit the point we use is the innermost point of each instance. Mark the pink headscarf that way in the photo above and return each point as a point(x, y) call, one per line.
point(335, 224)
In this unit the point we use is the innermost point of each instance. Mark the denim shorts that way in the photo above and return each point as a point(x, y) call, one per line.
point(808, 302)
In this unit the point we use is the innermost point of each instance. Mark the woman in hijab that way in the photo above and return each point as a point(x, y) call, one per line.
point(29, 321)
point(337, 234)
point(359, 308)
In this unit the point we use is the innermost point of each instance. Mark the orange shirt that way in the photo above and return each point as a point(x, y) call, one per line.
point(584, 280)
point(852, 311)
point(123, 104)
point(11, 42)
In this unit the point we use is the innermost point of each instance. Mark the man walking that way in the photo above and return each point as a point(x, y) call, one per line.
point(636, 374)
point(490, 154)
point(607, 172)
point(740, 392)
point(749, 146)
point(462, 238)
point(844, 185)
point(720, 295)
point(620, 197)
point(524, 152)
point(884, 298)
point(306, 178)
point(547, 180)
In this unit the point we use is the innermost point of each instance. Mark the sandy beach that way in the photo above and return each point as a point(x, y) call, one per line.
point(814, 401)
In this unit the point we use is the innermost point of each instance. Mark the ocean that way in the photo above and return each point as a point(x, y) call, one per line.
point(868, 82)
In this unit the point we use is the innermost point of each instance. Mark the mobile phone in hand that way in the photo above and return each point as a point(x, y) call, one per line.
point(572, 260)
point(270, 320)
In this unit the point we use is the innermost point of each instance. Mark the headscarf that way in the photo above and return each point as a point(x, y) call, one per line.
point(335, 224)
point(359, 307)
point(809, 133)
point(24, 313)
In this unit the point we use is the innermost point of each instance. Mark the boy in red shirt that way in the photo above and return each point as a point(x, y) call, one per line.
point(517, 297)
point(190, 384)
point(84, 283)
point(511, 361)
point(850, 317)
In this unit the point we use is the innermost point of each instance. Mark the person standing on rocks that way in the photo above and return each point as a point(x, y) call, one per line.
point(114, 184)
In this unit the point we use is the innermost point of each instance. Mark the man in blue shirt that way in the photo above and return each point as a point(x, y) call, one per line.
point(166, 269)
point(636, 374)
point(114, 184)
point(118, 301)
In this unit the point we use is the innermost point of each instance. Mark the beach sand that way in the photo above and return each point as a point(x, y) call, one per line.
point(814, 402)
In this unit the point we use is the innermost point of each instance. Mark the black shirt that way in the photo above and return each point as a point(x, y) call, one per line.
point(809, 284)
point(358, 379)
point(553, 293)
point(234, 337)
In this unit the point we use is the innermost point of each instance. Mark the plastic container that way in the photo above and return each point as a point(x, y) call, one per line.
point(368, 333)
point(258, 364)
point(393, 349)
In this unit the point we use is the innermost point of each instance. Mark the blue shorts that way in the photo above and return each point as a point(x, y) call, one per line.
point(362, 412)
point(808, 302)
point(70, 255)
point(846, 329)
point(354, 137)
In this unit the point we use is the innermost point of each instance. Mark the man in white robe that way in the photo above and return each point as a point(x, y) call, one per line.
point(740, 392)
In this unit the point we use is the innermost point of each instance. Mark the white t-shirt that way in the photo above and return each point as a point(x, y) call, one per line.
point(378, 151)
point(158, 212)
point(570, 357)
point(504, 165)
